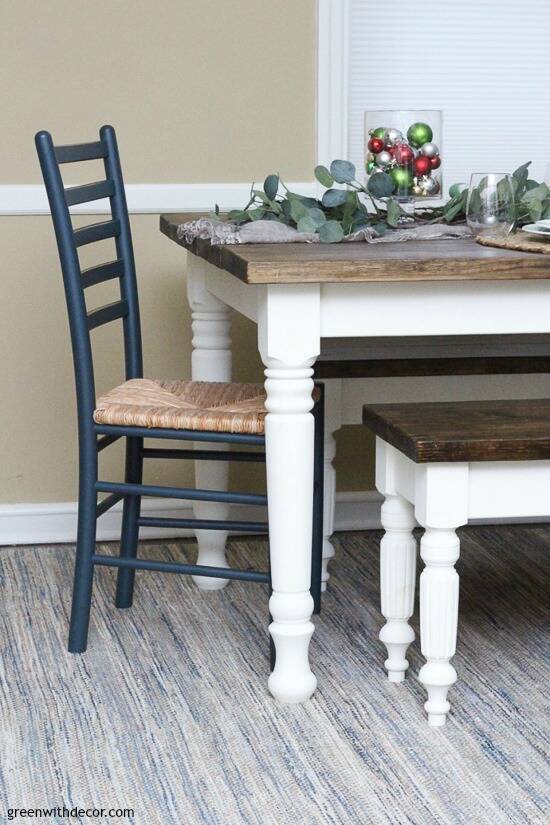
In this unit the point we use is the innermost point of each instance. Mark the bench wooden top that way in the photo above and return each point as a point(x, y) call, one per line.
point(464, 431)
point(445, 260)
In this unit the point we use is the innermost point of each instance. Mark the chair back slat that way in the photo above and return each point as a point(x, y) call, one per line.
point(102, 272)
point(76, 279)
point(105, 314)
point(96, 232)
point(89, 192)
point(80, 151)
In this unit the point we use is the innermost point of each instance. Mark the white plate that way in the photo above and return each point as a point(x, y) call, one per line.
point(542, 229)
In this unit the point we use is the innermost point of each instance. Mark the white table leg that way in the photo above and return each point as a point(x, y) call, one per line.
point(333, 422)
point(441, 508)
point(289, 459)
point(289, 340)
point(397, 579)
point(210, 361)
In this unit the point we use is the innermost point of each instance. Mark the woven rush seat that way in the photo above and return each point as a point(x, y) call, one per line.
point(207, 406)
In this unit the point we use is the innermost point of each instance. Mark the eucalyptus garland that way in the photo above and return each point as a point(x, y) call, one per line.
point(343, 211)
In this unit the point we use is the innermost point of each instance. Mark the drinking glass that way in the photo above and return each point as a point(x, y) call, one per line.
point(490, 208)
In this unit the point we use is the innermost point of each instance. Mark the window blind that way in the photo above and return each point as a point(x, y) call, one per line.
point(484, 63)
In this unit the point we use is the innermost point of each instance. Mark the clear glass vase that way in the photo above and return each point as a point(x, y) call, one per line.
point(406, 145)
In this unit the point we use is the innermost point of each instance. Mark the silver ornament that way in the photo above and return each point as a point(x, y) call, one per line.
point(383, 159)
point(429, 150)
point(417, 190)
point(392, 136)
point(430, 186)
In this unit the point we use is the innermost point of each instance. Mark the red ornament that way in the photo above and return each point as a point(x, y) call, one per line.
point(435, 162)
point(403, 154)
point(422, 165)
point(375, 145)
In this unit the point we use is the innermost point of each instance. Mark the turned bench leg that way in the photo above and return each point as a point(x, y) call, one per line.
point(397, 576)
point(439, 549)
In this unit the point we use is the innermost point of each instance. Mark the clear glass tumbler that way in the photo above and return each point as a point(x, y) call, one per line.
point(490, 208)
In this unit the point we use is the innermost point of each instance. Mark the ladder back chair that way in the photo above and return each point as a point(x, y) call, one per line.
point(226, 413)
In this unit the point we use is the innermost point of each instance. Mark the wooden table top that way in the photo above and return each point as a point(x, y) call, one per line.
point(445, 260)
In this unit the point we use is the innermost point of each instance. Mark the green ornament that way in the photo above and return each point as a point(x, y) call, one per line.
point(419, 134)
point(369, 166)
point(379, 133)
point(402, 178)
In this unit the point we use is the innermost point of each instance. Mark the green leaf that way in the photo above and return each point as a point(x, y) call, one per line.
point(380, 185)
point(521, 174)
point(394, 213)
point(381, 227)
point(334, 197)
point(256, 214)
point(297, 209)
point(271, 186)
point(331, 232)
point(342, 171)
point(323, 176)
point(307, 224)
point(238, 215)
point(317, 216)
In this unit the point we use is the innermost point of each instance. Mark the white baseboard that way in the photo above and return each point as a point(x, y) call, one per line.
point(30, 199)
point(56, 523)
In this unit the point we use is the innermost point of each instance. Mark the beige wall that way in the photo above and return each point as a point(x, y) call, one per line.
point(198, 92)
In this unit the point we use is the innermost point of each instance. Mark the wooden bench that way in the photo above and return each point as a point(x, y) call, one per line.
point(441, 465)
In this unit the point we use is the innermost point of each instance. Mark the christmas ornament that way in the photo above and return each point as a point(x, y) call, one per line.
point(378, 133)
point(435, 162)
point(370, 166)
point(383, 159)
point(375, 145)
point(429, 150)
point(418, 134)
point(417, 190)
point(402, 178)
point(421, 165)
point(403, 154)
point(392, 136)
point(430, 185)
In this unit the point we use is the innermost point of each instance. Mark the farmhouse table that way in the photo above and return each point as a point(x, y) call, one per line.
point(300, 295)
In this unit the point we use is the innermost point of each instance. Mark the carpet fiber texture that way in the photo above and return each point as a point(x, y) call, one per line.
point(168, 713)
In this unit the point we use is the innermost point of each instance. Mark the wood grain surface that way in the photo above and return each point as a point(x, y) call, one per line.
point(464, 431)
point(443, 260)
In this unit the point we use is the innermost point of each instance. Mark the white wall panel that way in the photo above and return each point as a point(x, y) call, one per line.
point(485, 63)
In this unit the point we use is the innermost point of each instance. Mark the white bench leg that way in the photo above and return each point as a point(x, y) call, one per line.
point(439, 549)
point(397, 578)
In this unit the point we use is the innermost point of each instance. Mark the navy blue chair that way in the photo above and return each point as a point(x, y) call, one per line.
point(237, 420)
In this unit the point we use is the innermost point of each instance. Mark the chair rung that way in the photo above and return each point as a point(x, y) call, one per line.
point(96, 232)
point(105, 441)
point(187, 569)
point(107, 503)
point(80, 151)
point(202, 455)
point(180, 435)
point(107, 313)
point(102, 272)
point(89, 192)
point(179, 492)
point(204, 524)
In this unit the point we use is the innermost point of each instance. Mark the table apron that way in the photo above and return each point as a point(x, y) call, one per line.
point(435, 308)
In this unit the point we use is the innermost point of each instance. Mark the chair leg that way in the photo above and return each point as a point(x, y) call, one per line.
point(85, 547)
point(318, 490)
point(130, 530)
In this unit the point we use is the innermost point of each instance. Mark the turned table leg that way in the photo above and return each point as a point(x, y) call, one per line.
point(210, 361)
point(397, 579)
point(333, 422)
